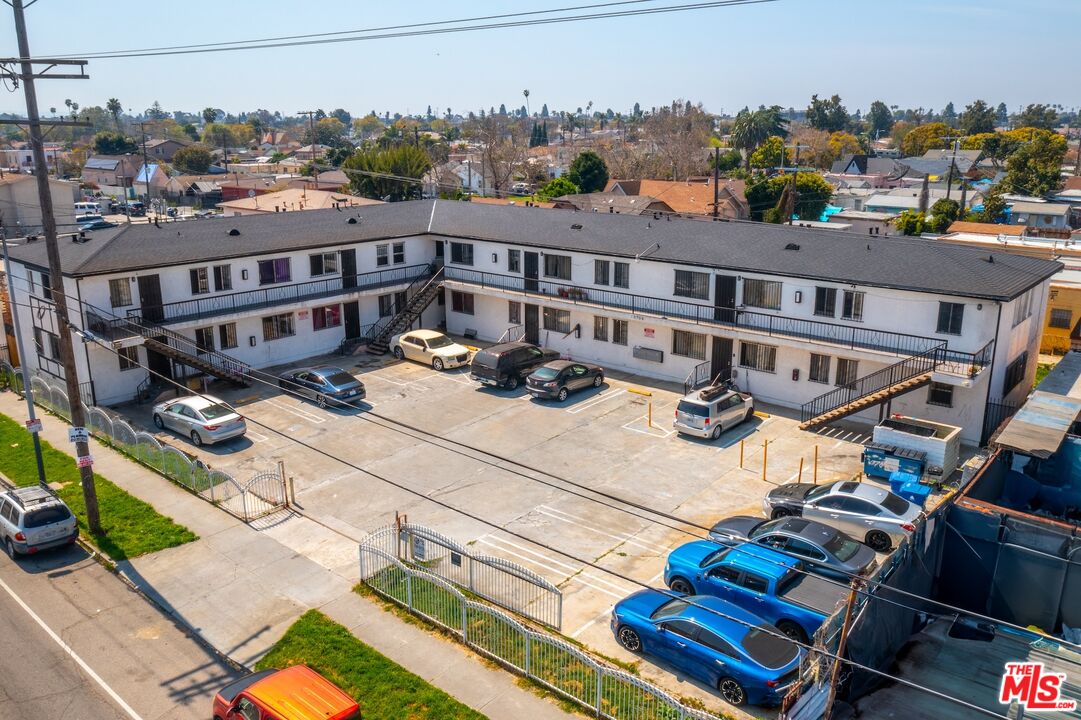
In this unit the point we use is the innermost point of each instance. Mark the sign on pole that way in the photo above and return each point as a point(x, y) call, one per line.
point(34, 425)
point(78, 435)
point(84, 461)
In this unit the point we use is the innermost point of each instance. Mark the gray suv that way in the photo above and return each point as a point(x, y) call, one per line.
point(33, 519)
point(708, 412)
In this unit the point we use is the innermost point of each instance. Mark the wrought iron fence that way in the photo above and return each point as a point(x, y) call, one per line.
point(262, 494)
point(497, 580)
point(543, 658)
point(994, 417)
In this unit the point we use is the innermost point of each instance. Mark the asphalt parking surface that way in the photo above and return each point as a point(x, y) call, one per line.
point(598, 440)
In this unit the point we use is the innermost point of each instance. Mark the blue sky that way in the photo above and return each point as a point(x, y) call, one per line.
point(907, 52)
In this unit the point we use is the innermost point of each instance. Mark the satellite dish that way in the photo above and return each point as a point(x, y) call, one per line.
point(251, 193)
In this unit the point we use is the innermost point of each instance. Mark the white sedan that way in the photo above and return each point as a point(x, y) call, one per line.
point(431, 348)
point(202, 418)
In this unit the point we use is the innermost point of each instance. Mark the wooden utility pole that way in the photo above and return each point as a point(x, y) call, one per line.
point(26, 76)
point(311, 125)
point(835, 674)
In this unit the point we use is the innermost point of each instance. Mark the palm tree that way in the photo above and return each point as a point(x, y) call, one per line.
point(526, 93)
point(751, 129)
point(115, 108)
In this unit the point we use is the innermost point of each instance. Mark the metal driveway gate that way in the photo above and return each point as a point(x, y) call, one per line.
point(500, 581)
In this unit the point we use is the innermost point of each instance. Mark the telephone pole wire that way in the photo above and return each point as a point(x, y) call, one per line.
point(48, 221)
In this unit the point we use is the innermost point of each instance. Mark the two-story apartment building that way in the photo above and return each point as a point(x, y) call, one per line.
point(802, 318)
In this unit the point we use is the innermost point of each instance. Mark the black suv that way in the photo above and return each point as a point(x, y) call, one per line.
point(508, 364)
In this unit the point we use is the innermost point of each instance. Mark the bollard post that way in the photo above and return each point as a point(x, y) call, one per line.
point(816, 466)
point(765, 455)
point(800, 478)
point(740, 454)
point(649, 413)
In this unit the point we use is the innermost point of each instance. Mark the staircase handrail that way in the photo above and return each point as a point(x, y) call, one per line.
point(912, 366)
point(379, 331)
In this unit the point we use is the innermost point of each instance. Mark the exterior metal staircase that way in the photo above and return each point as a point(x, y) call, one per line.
point(419, 295)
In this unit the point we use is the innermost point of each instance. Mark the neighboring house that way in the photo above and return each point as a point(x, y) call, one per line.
point(20, 157)
point(691, 197)
point(762, 303)
point(877, 172)
point(1040, 215)
point(507, 201)
point(309, 153)
point(893, 204)
point(866, 223)
point(112, 170)
point(158, 180)
point(331, 180)
point(291, 200)
point(277, 141)
point(20, 205)
point(908, 198)
point(164, 150)
point(466, 175)
point(612, 203)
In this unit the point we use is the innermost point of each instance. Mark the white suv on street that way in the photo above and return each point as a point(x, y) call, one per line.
point(33, 519)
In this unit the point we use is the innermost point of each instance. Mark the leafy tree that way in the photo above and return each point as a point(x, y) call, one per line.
point(943, 214)
point(994, 206)
point(1038, 116)
point(726, 161)
point(879, 119)
point(328, 131)
point(813, 193)
point(367, 126)
point(346, 119)
point(193, 160)
point(924, 138)
point(190, 130)
point(588, 172)
point(502, 109)
point(401, 160)
point(978, 141)
point(219, 135)
point(113, 143)
point(910, 222)
point(115, 109)
point(977, 118)
point(829, 115)
point(544, 110)
point(1002, 115)
point(557, 187)
point(1035, 167)
point(769, 154)
point(949, 115)
point(209, 115)
point(155, 112)
point(841, 144)
point(751, 129)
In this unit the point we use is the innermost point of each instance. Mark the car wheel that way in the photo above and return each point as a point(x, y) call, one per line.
point(780, 513)
point(512, 382)
point(681, 586)
point(399, 353)
point(747, 416)
point(879, 541)
point(793, 631)
point(629, 639)
point(562, 394)
point(437, 365)
point(321, 400)
point(716, 434)
point(598, 381)
point(732, 691)
point(196, 439)
point(158, 422)
point(10, 548)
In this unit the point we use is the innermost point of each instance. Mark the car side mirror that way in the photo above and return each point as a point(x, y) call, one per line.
point(661, 629)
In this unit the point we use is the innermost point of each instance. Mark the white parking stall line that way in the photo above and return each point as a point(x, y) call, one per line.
point(837, 444)
point(256, 437)
point(657, 432)
point(570, 572)
point(570, 519)
point(596, 400)
point(71, 653)
point(600, 616)
point(459, 378)
point(415, 384)
point(299, 412)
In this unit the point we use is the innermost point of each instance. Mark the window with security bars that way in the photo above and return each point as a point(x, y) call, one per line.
point(128, 357)
point(847, 371)
point(762, 294)
point(757, 356)
point(600, 328)
point(852, 305)
point(119, 292)
point(692, 284)
point(619, 332)
point(940, 394)
point(277, 327)
point(223, 278)
point(602, 272)
point(826, 301)
point(820, 368)
point(227, 336)
point(399, 253)
point(514, 312)
point(689, 344)
point(1061, 318)
point(557, 266)
point(200, 281)
point(514, 261)
point(621, 274)
point(1015, 372)
point(557, 320)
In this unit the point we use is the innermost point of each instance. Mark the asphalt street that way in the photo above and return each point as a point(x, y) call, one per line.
point(77, 643)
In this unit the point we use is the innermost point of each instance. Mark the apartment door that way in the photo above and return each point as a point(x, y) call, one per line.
point(532, 323)
point(351, 318)
point(150, 298)
point(349, 271)
point(531, 272)
point(724, 299)
point(720, 359)
point(159, 364)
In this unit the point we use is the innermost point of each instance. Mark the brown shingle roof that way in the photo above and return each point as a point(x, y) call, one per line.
point(978, 228)
point(694, 198)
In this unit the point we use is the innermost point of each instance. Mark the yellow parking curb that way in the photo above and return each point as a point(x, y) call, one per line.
point(636, 391)
point(762, 414)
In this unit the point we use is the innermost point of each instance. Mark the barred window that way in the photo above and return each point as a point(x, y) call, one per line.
point(758, 357)
point(689, 344)
point(514, 312)
point(852, 306)
point(692, 284)
point(1015, 372)
point(399, 253)
point(601, 272)
point(622, 277)
point(119, 292)
point(200, 281)
point(826, 301)
point(514, 261)
point(619, 332)
point(940, 394)
point(557, 320)
point(600, 328)
point(847, 371)
point(762, 294)
point(557, 266)
point(129, 357)
point(223, 278)
point(227, 336)
point(820, 368)
point(276, 327)
point(1061, 318)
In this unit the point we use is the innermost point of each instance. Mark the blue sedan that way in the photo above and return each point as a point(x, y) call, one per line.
point(735, 651)
point(325, 385)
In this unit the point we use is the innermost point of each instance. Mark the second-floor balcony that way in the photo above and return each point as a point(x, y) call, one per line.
point(272, 296)
point(770, 324)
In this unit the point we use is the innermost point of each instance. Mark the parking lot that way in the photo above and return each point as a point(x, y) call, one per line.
point(535, 478)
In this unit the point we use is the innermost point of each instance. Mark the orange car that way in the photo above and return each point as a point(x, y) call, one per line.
point(296, 693)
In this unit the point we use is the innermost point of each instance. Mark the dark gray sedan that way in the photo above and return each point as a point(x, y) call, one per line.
point(559, 378)
point(825, 549)
point(325, 385)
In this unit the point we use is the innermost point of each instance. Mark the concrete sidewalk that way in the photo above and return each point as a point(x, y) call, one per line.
point(240, 587)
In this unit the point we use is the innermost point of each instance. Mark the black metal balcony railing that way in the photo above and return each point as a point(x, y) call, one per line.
point(852, 336)
point(267, 297)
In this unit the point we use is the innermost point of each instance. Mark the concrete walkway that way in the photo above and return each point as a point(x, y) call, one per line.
point(240, 587)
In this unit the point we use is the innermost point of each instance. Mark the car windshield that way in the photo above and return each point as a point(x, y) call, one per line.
point(841, 547)
point(713, 557)
point(545, 373)
point(215, 411)
point(691, 408)
point(767, 649)
point(439, 341)
point(818, 492)
point(669, 609)
point(341, 378)
point(895, 504)
point(47, 516)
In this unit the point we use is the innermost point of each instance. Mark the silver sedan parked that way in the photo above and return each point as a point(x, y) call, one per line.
point(202, 418)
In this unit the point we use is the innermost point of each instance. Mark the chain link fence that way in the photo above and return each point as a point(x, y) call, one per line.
point(259, 496)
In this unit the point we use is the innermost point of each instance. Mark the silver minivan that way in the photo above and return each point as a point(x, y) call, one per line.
point(708, 412)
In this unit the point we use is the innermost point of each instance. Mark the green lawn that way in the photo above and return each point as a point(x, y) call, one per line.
point(384, 689)
point(130, 527)
point(1041, 372)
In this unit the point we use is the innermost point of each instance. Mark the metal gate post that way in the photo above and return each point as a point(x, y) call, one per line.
point(465, 638)
point(471, 563)
point(244, 503)
point(528, 654)
point(600, 677)
point(409, 590)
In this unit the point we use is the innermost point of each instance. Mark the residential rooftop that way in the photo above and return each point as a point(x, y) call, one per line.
point(889, 262)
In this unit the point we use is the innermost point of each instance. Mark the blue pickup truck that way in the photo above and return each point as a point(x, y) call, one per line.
point(763, 581)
